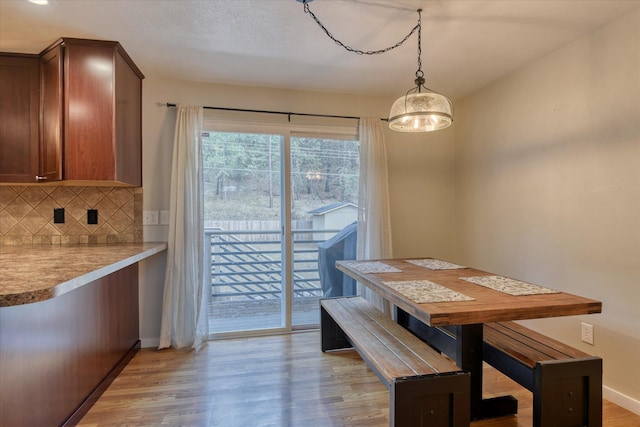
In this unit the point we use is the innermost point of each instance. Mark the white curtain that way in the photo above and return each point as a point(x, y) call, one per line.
point(184, 307)
point(374, 219)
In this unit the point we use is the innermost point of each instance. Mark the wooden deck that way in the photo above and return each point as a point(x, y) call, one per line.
point(229, 316)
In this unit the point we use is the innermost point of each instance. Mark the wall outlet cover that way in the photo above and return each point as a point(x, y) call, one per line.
point(58, 216)
point(586, 334)
point(92, 216)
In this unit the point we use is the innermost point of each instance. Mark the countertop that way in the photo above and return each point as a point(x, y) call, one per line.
point(31, 273)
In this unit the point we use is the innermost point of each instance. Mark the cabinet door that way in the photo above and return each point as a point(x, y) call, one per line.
point(89, 143)
point(51, 72)
point(128, 123)
point(19, 88)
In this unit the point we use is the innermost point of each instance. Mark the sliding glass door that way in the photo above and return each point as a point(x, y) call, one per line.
point(270, 199)
point(324, 198)
point(243, 223)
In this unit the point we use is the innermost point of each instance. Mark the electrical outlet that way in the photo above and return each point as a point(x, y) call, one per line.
point(58, 215)
point(587, 333)
point(92, 216)
point(150, 218)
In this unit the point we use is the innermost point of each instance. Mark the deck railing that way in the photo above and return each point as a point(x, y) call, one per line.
point(247, 267)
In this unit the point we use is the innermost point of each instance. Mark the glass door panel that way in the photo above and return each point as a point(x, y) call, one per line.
point(324, 198)
point(242, 196)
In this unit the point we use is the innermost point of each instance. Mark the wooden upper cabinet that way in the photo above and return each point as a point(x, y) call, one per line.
point(94, 112)
point(74, 113)
point(51, 115)
point(19, 90)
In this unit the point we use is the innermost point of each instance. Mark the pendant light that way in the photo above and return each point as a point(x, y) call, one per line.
point(418, 110)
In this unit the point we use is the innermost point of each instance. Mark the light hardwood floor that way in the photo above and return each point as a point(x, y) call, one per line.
point(282, 380)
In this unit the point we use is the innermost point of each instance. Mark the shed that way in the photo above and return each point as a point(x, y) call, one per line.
point(335, 216)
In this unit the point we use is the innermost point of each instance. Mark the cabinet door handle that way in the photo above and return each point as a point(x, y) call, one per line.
point(41, 178)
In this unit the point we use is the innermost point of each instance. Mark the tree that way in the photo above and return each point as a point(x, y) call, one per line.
point(242, 173)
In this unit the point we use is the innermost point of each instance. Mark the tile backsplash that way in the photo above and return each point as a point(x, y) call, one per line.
point(26, 215)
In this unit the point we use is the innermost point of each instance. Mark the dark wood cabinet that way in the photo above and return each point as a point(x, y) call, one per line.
point(19, 91)
point(51, 116)
point(59, 355)
point(74, 113)
point(99, 108)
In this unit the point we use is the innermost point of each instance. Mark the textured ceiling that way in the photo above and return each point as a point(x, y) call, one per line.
point(273, 43)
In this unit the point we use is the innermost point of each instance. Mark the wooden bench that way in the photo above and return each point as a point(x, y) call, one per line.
point(566, 383)
point(426, 388)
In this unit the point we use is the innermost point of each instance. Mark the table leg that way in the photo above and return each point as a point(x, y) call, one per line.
point(463, 343)
point(469, 358)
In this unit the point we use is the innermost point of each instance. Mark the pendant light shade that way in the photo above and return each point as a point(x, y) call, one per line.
point(421, 112)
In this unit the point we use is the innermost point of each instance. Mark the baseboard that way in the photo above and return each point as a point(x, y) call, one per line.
point(150, 342)
point(84, 407)
point(620, 399)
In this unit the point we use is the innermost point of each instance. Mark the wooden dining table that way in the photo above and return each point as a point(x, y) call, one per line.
point(458, 306)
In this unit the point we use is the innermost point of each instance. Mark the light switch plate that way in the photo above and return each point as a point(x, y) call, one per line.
point(164, 217)
point(150, 218)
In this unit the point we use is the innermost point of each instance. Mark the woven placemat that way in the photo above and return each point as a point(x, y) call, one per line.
point(371, 267)
point(434, 264)
point(509, 286)
point(424, 291)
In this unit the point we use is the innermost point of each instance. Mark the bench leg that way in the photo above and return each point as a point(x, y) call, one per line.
point(568, 393)
point(430, 401)
point(332, 337)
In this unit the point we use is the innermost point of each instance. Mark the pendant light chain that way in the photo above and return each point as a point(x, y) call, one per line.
point(419, 73)
point(416, 111)
point(366, 52)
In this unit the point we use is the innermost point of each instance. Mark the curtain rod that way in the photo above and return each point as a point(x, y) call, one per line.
point(285, 113)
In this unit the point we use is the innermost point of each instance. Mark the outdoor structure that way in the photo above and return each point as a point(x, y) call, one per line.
point(335, 216)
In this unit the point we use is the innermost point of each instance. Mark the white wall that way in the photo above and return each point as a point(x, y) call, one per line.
point(548, 188)
point(420, 167)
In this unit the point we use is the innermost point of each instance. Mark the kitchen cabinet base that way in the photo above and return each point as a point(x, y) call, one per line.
point(82, 410)
point(56, 354)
